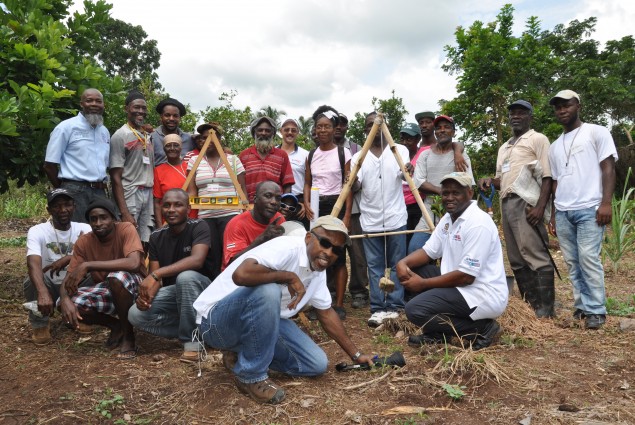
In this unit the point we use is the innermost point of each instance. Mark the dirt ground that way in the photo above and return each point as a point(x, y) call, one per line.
point(542, 372)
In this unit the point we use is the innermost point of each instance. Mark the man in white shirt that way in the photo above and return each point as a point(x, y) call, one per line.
point(49, 247)
point(470, 290)
point(246, 311)
point(582, 164)
point(383, 209)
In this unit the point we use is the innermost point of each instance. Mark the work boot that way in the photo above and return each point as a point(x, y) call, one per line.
point(263, 391)
point(546, 291)
point(41, 336)
point(488, 337)
point(527, 281)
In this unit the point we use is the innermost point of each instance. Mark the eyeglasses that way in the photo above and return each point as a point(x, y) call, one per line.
point(290, 130)
point(286, 207)
point(326, 244)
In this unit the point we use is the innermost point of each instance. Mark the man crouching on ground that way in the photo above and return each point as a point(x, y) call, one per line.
point(245, 312)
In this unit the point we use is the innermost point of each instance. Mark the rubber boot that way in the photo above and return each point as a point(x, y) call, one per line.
point(546, 293)
point(527, 280)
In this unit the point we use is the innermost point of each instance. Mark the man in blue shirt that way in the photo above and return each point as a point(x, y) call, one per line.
point(77, 154)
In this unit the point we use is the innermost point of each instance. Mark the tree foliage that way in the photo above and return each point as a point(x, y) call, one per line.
point(235, 122)
point(394, 111)
point(271, 112)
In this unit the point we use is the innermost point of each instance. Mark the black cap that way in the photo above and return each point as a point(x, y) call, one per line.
point(101, 203)
point(173, 102)
point(522, 104)
point(60, 191)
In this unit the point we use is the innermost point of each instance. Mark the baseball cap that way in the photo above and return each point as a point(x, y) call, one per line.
point(523, 104)
point(411, 129)
point(101, 203)
point(426, 114)
point(464, 179)
point(444, 118)
point(216, 126)
point(343, 117)
point(294, 121)
point(290, 196)
point(255, 122)
point(566, 95)
point(334, 224)
point(60, 191)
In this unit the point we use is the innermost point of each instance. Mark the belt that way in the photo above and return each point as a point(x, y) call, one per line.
point(93, 185)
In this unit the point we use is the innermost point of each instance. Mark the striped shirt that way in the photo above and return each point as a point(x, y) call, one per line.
point(216, 183)
point(275, 167)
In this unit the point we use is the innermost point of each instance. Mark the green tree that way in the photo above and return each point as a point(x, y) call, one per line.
point(306, 124)
point(394, 112)
point(43, 79)
point(271, 112)
point(235, 122)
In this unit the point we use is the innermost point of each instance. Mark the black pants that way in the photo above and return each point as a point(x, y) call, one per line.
point(414, 215)
point(443, 311)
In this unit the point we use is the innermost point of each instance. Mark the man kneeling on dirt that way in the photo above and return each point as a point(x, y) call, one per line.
point(470, 290)
point(103, 277)
point(246, 310)
point(49, 247)
point(180, 269)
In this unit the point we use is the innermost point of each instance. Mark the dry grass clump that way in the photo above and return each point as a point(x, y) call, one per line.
point(519, 319)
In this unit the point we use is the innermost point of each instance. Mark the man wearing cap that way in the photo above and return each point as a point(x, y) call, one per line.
point(49, 247)
point(103, 277)
point(582, 163)
point(132, 167)
point(180, 269)
point(426, 125)
point(252, 228)
point(171, 112)
point(77, 155)
point(290, 130)
point(289, 207)
point(432, 165)
point(469, 291)
point(262, 290)
point(525, 234)
point(264, 161)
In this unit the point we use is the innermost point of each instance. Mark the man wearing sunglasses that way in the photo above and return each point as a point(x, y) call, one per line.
point(246, 311)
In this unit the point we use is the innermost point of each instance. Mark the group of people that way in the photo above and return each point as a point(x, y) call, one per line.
point(233, 281)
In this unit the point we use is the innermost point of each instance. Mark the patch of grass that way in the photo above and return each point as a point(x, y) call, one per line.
point(412, 420)
point(615, 307)
point(25, 202)
point(17, 242)
point(516, 341)
point(108, 404)
point(455, 392)
point(620, 238)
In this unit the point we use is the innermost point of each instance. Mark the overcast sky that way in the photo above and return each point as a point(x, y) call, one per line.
point(298, 54)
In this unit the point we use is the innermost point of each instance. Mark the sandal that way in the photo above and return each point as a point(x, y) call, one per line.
point(128, 354)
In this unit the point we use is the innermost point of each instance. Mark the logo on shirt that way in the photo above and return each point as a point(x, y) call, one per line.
point(445, 228)
point(457, 237)
point(473, 263)
point(187, 248)
point(231, 245)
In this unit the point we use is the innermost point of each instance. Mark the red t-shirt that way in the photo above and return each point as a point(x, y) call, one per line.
point(275, 167)
point(241, 232)
point(168, 177)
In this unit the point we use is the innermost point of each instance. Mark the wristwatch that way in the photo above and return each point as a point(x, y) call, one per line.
point(356, 356)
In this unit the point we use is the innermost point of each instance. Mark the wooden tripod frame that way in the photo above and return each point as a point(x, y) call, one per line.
point(244, 202)
point(377, 124)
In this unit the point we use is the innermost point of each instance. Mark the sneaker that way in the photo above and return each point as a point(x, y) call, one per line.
point(391, 315)
point(262, 391)
point(311, 314)
point(488, 337)
point(424, 339)
point(41, 336)
point(359, 301)
point(578, 314)
point(229, 359)
point(594, 321)
point(376, 319)
point(341, 312)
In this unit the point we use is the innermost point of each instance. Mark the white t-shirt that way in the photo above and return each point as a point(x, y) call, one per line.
point(471, 245)
point(574, 159)
point(284, 253)
point(298, 164)
point(382, 204)
point(50, 244)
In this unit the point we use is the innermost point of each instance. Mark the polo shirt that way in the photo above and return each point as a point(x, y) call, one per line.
point(157, 137)
point(81, 150)
point(275, 166)
point(127, 151)
point(529, 147)
point(284, 253)
point(298, 165)
point(471, 245)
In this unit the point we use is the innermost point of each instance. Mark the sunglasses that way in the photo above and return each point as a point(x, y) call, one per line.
point(326, 244)
point(286, 207)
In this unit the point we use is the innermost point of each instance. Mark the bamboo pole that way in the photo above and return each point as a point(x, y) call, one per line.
point(244, 202)
point(397, 232)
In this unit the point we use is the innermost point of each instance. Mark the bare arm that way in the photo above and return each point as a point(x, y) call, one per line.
point(552, 221)
point(535, 214)
point(51, 170)
point(429, 188)
point(605, 212)
point(333, 326)
point(157, 212)
point(36, 275)
point(117, 191)
point(308, 181)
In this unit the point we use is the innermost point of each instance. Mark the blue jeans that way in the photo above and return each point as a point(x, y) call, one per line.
point(383, 252)
point(172, 314)
point(248, 322)
point(580, 239)
point(417, 241)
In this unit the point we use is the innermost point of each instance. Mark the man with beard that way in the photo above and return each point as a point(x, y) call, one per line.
point(469, 291)
point(132, 167)
point(104, 276)
point(582, 164)
point(246, 311)
point(524, 230)
point(255, 227)
point(264, 161)
point(171, 111)
point(77, 155)
point(180, 269)
point(49, 247)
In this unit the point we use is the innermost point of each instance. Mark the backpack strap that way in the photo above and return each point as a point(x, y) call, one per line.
point(340, 154)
